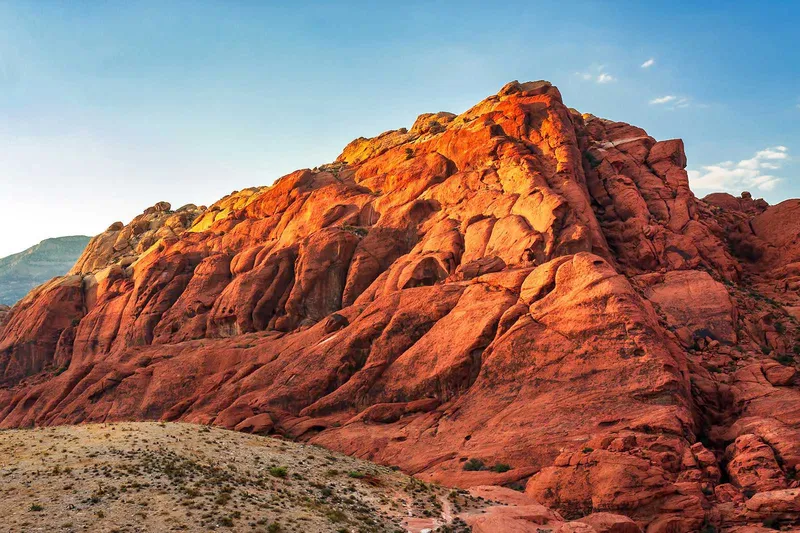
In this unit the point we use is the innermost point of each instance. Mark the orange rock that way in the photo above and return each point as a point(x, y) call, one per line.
point(778, 374)
point(780, 504)
point(752, 465)
point(610, 523)
point(694, 302)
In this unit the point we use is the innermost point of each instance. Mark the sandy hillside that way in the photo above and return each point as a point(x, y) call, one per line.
point(179, 477)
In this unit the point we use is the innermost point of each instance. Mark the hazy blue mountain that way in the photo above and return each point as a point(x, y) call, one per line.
point(21, 272)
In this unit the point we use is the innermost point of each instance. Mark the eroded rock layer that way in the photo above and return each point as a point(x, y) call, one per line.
point(518, 295)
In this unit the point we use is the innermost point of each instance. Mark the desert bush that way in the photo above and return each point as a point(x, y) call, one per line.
point(278, 471)
point(474, 465)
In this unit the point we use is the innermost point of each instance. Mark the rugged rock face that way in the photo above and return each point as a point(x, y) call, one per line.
point(519, 295)
point(121, 244)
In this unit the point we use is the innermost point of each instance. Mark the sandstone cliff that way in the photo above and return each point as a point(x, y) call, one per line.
point(518, 285)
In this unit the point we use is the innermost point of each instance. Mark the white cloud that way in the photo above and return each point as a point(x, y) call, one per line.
point(600, 77)
point(675, 102)
point(746, 174)
point(663, 99)
point(649, 63)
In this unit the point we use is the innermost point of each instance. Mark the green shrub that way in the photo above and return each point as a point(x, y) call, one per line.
point(708, 528)
point(278, 471)
point(335, 515)
point(355, 230)
point(500, 468)
point(435, 126)
point(474, 465)
point(593, 161)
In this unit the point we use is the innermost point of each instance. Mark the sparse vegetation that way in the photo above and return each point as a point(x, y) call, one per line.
point(593, 161)
point(198, 478)
point(355, 230)
point(474, 465)
point(278, 471)
point(435, 127)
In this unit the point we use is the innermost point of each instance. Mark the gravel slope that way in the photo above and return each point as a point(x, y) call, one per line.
point(157, 477)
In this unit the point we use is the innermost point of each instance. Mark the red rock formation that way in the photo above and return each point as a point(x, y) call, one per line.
point(519, 295)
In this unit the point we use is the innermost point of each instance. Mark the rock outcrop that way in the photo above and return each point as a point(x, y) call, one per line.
point(518, 296)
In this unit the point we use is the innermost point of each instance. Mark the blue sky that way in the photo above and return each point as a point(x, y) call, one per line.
point(109, 107)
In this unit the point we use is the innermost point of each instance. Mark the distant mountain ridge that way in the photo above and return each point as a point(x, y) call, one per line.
point(21, 272)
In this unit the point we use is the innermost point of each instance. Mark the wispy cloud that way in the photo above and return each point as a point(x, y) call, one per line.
point(663, 99)
point(598, 76)
point(649, 63)
point(672, 102)
point(746, 174)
